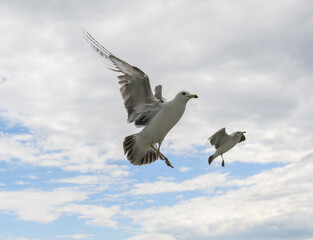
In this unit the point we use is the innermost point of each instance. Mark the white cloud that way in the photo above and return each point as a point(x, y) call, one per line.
point(76, 236)
point(84, 179)
point(184, 169)
point(117, 180)
point(275, 200)
point(12, 147)
point(47, 206)
point(152, 236)
point(17, 238)
point(48, 152)
point(206, 182)
point(30, 176)
point(95, 214)
point(39, 206)
point(22, 183)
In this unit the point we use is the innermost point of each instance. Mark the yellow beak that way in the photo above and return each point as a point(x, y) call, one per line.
point(193, 96)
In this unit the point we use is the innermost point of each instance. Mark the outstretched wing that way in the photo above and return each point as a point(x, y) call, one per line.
point(140, 103)
point(218, 138)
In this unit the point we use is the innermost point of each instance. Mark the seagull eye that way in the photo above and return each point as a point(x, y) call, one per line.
point(183, 93)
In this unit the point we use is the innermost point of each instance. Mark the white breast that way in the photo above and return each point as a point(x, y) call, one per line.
point(164, 121)
point(229, 144)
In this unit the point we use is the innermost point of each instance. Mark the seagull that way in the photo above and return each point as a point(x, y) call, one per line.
point(224, 142)
point(152, 112)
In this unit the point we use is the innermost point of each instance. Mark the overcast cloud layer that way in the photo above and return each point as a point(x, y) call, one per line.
point(62, 120)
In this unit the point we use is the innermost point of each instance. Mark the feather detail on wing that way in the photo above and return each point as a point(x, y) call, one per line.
point(218, 138)
point(141, 105)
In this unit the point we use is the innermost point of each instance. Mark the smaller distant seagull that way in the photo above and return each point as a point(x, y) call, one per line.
point(152, 112)
point(224, 142)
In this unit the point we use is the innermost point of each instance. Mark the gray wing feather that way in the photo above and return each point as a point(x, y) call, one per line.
point(140, 103)
point(158, 93)
point(218, 138)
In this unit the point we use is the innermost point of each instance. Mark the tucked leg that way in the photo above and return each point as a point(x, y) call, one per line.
point(167, 161)
point(159, 153)
point(223, 163)
point(162, 157)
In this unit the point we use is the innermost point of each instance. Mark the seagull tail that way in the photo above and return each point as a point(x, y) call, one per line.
point(134, 155)
point(211, 158)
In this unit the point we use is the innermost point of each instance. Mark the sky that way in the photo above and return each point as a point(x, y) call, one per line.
point(63, 173)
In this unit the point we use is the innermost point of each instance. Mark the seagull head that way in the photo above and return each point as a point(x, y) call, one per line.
point(239, 135)
point(185, 96)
